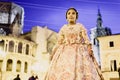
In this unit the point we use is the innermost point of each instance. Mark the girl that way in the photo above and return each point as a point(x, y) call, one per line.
point(71, 58)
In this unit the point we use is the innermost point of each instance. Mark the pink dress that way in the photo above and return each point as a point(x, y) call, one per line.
point(71, 60)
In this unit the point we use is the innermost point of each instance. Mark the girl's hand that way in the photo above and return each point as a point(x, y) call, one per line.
point(90, 51)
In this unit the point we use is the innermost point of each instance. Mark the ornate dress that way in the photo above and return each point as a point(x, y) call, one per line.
point(71, 59)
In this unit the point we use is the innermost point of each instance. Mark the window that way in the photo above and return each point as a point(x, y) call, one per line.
point(25, 67)
point(9, 65)
point(2, 44)
point(27, 49)
point(1, 61)
point(111, 44)
point(11, 46)
point(94, 41)
point(20, 48)
point(113, 65)
point(18, 67)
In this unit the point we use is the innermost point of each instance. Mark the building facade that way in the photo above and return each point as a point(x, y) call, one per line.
point(98, 31)
point(16, 57)
point(109, 47)
point(26, 54)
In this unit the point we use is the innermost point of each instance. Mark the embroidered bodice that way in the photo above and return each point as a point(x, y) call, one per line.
point(70, 34)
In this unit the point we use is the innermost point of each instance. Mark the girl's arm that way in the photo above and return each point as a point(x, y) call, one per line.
point(59, 42)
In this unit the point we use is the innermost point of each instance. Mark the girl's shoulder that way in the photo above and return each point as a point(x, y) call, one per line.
point(81, 26)
point(64, 27)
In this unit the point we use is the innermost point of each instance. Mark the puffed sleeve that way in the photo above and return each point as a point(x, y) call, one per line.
point(60, 39)
point(86, 40)
point(59, 42)
point(61, 36)
point(84, 35)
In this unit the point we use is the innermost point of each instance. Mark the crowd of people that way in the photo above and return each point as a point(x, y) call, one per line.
point(31, 78)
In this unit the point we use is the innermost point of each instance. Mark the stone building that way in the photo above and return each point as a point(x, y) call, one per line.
point(27, 54)
point(98, 31)
point(109, 47)
point(24, 54)
point(16, 57)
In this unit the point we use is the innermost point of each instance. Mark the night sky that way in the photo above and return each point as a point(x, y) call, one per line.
point(51, 13)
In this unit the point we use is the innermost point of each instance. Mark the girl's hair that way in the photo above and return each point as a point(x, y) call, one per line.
point(74, 10)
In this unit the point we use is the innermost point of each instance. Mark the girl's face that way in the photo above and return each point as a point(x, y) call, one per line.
point(71, 16)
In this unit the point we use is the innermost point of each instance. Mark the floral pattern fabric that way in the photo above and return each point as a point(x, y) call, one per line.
point(71, 60)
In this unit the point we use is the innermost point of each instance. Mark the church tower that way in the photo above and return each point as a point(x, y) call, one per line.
point(98, 31)
point(101, 31)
